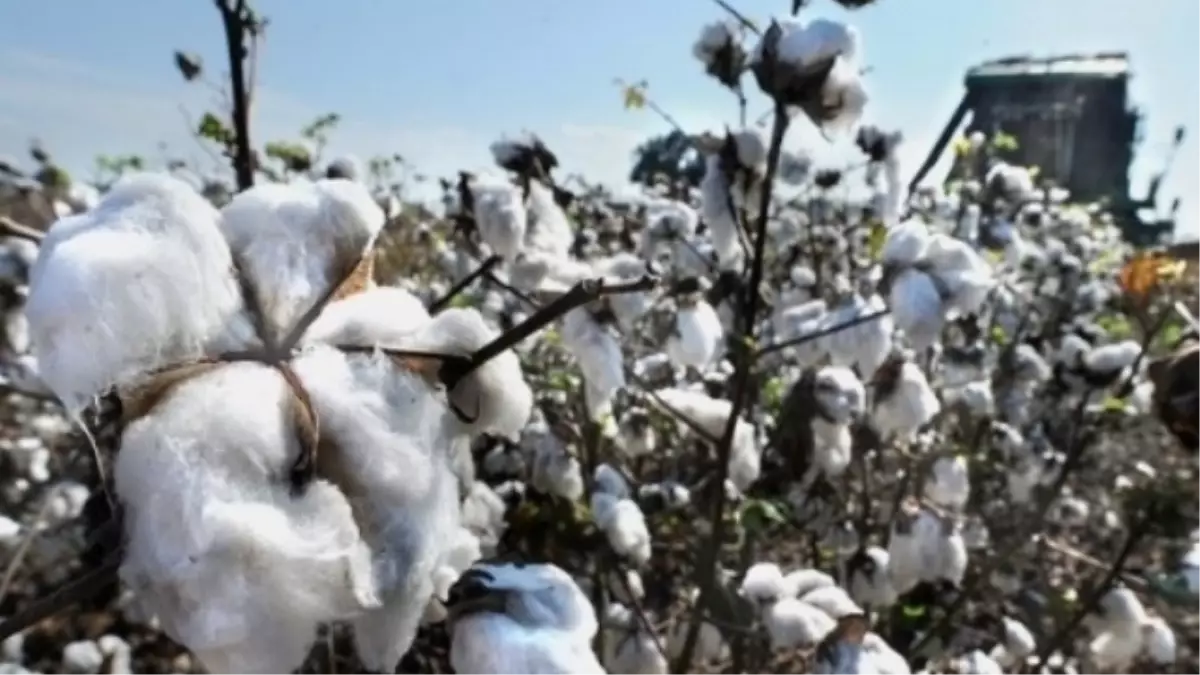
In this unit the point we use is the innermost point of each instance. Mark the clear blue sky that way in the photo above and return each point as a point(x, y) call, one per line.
point(436, 80)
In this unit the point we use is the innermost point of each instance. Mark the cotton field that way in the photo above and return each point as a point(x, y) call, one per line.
point(284, 420)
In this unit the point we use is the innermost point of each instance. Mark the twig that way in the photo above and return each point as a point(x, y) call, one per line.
point(233, 18)
point(70, 594)
point(484, 268)
point(741, 18)
point(707, 567)
point(824, 332)
point(18, 556)
point(12, 228)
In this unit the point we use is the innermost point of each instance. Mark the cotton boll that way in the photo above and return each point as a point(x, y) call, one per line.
point(548, 230)
point(236, 568)
point(637, 436)
point(1160, 644)
point(864, 346)
point(802, 47)
point(599, 356)
point(710, 644)
point(833, 600)
point(1109, 361)
point(296, 242)
point(722, 224)
point(698, 335)
point(634, 650)
point(764, 584)
point(495, 393)
point(622, 520)
point(869, 580)
point(556, 472)
point(384, 315)
point(802, 581)
point(1018, 643)
point(906, 244)
point(905, 403)
point(949, 482)
point(794, 624)
point(978, 663)
point(745, 457)
point(521, 619)
point(906, 557)
point(500, 218)
point(610, 481)
point(626, 307)
point(406, 498)
point(916, 306)
point(137, 283)
point(714, 37)
point(483, 512)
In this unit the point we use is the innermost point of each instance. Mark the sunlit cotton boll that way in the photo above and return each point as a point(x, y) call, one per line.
point(698, 334)
point(297, 242)
point(949, 482)
point(598, 353)
point(139, 282)
point(521, 619)
point(792, 623)
point(500, 218)
point(904, 400)
point(711, 415)
point(721, 221)
point(623, 522)
point(555, 471)
point(1018, 643)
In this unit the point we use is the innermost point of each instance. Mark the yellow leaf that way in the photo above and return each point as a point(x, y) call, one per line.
point(635, 96)
point(1147, 271)
point(962, 146)
point(876, 237)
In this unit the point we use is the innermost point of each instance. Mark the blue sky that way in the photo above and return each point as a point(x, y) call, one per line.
point(437, 80)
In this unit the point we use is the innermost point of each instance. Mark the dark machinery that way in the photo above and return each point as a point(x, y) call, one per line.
point(1071, 117)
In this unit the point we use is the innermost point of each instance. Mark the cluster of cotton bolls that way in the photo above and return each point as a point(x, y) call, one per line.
point(940, 428)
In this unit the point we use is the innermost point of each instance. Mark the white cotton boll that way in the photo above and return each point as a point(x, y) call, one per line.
point(713, 38)
point(547, 272)
point(833, 600)
point(745, 457)
point(482, 514)
point(794, 624)
point(10, 531)
point(949, 482)
point(710, 643)
point(764, 584)
point(610, 481)
point(545, 624)
point(548, 230)
point(624, 524)
point(808, 43)
point(235, 567)
point(845, 93)
point(944, 549)
point(636, 653)
point(296, 242)
point(917, 308)
point(976, 396)
point(626, 307)
point(1190, 568)
point(384, 315)
point(556, 472)
point(910, 406)
point(1121, 609)
point(698, 336)
point(906, 557)
point(1018, 643)
point(870, 583)
point(637, 436)
point(906, 244)
point(598, 353)
point(722, 224)
point(1160, 644)
point(865, 346)
point(1114, 651)
point(711, 415)
point(802, 581)
point(804, 319)
point(496, 393)
point(1112, 358)
point(16, 330)
point(139, 282)
point(406, 498)
point(500, 218)
point(978, 663)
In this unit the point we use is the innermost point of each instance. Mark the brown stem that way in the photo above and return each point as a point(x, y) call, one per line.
point(233, 19)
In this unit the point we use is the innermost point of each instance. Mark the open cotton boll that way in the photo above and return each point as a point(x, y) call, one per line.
point(500, 218)
point(1112, 358)
point(833, 600)
point(710, 644)
point(711, 415)
point(764, 584)
point(917, 308)
point(698, 335)
point(624, 524)
point(384, 315)
point(802, 581)
point(610, 481)
point(626, 307)
point(546, 272)
point(715, 37)
point(297, 242)
point(721, 221)
point(869, 582)
point(1018, 644)
point(541, 622)
point(794, 624)
point(598, 354)
point(1160, 643)
point(949, 482)
point(234, 567)
point(864, 346)
point(908, 406)
point(906, 244)
point(139, 282)
point(978, 663)
point(555, 471)
point(548, 229)
point(392, 436)
point(495, 393)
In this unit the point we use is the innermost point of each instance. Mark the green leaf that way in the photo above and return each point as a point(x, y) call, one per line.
point(319, 128)
point(999, 336)
point(759, 515)
point(772, 393)
point(212, 128)
point(294, 156)
point(1114, 404)
point(1004, 142)
point(876, 238)
point(1116, 325)
point(913, 611)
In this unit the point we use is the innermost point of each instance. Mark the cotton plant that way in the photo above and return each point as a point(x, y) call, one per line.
point(623, 523)
point(698, 337)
